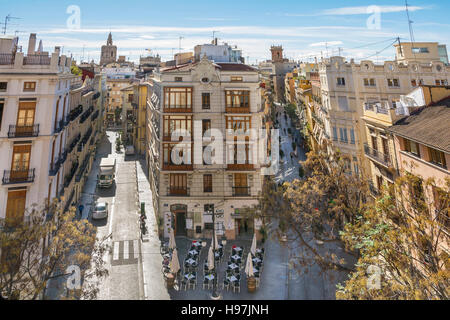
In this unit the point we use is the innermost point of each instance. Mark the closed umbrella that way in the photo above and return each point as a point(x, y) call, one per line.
point(249, 266)
point(172, 243)
point(253, 247)
point(210, 259)
point(215, 241)
point(174, 263)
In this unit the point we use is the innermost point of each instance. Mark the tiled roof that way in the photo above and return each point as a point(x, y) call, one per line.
point(235, 67)
point(427, 125)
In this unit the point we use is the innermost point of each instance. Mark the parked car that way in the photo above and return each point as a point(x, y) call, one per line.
point(129, 151)
point(100, 211)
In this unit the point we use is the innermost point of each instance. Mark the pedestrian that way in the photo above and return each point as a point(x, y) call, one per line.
point(81, 208)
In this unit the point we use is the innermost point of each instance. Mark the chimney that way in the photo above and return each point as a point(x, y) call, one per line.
point(32, 43)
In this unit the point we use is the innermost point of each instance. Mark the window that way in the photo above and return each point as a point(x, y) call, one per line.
point(184, 154)
point(173, 123)
point(206, 100)
point(206, 125)
point(208, 208)
point(178, 79)
point(3, 86)
point(420, 50)
point(178, 98)
point(130, 98)
point(441, 82)
point(343, 132)
point(369, 82)
point(207, 183)
point(343, 103)
point(437, 157)
point(393, 83)
point(352, 136)
point(412, 147)
point(236, 79)
point(341, 81)
point(29, 86)
point(237, 99)
point(335, 135)
point(414, 83)
point(178, 183)
point(238, 123)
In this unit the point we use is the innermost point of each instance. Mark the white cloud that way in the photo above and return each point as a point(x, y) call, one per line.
point(323, 44)
point(363, 10)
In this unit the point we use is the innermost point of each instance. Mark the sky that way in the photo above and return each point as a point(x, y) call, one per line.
point(356, 29)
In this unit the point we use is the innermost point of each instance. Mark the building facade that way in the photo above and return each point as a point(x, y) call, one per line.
point(37, 117)
point(198, 97)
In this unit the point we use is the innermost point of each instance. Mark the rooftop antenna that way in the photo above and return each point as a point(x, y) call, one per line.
point(179, 43)
point(8, 18)
point(214, 33)
point(411, 32)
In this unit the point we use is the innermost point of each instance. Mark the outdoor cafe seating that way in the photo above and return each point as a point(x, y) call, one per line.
point(189, 280)
point(236, 259)
point(209, 280)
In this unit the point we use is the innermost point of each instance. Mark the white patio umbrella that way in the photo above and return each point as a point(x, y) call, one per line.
point(253, 247)
point(210, 259)
point(215, 241)
point(249, 266)
point(172, 243)
point(174, 263)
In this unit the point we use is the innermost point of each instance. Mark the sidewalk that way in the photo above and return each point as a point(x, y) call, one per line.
point(154, 286)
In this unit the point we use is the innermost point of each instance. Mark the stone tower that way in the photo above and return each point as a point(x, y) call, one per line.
point(277, 53)
point(109, 52)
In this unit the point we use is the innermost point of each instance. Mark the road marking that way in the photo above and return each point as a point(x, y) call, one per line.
point(126, 247)
point(136, 249)
point(116, 251)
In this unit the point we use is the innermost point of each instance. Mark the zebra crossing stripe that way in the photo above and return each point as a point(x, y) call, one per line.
point(116, 251)
point(126, 250)
point(136, 249)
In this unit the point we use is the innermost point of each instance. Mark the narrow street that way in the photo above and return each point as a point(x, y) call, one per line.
point(124, 262)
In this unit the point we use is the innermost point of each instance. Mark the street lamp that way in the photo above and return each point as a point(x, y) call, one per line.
point(215, 294)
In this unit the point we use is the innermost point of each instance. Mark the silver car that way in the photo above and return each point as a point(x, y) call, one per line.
point(100, 211)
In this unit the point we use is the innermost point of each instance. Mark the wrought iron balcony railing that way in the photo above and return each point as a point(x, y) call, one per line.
point(23, 131)
point(377, 156)
point(178, 192)
point(18, 176)
point(241, 191)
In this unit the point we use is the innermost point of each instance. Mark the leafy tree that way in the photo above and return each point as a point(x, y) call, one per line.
point(40, 248)
point(403, 243)
point(316, 208)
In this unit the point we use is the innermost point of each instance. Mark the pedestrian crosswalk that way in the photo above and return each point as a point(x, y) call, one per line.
point(125, 252)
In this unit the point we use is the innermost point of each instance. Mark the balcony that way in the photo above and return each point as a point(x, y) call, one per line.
point(23, 131)
point(54, 167)
point(37, 60)
point(374, 191)
point(178, 192)
point(60, 126)
point(86, 114)
point(231, 109)
point(74, 113)
point(95, 115)
point(7, 59)
point(176, 167)
point(69, 177)
point(74, 143)
point(377, 156)
point(240, 167)
point(83, 168)
point(241, 191)
point(376, 107)
point(18, 176)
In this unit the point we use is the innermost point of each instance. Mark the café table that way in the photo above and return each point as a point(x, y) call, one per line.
point(236, 258)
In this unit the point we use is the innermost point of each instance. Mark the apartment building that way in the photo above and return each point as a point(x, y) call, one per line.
point(422, 148)
point(34, 105)
point(197, 97)
point(84, 131)
point(350, 91)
